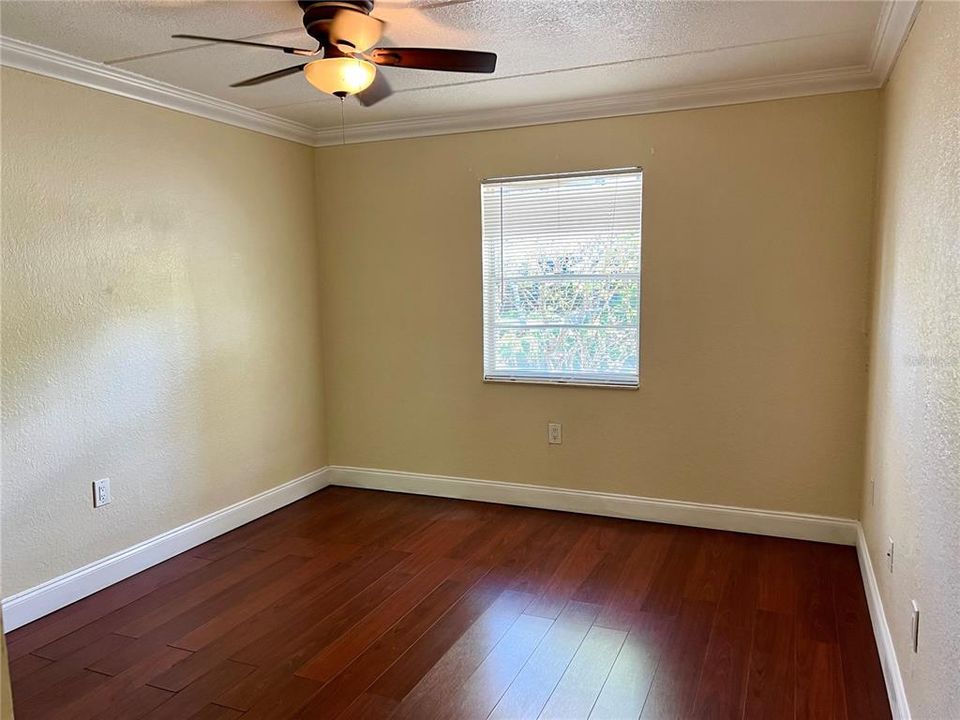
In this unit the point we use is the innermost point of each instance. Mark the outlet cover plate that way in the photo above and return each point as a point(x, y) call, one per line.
point(101, 492)
point(554, 433)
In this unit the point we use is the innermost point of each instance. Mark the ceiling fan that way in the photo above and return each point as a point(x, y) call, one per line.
point(345, 32)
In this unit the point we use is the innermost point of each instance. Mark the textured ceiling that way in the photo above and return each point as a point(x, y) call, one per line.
point(549, 50)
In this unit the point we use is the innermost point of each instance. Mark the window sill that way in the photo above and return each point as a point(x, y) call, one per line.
point(561, 383)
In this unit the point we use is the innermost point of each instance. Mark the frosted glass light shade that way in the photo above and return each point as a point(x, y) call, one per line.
point(340, 75)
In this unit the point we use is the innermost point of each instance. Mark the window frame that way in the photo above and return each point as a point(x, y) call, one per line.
point(538, 378)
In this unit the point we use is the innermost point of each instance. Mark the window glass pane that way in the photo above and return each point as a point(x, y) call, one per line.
point(561, 260)
point(590, 352)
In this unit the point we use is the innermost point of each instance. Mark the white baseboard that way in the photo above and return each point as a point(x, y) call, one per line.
point(54, 594)
point(720, 517)
point(27, 606)
point(896, 693)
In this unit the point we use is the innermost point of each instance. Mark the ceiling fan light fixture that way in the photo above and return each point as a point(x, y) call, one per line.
point(340, 76)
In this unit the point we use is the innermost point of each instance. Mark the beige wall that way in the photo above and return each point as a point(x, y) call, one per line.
point(160, 321)
point(913, 451)
point(757, 222)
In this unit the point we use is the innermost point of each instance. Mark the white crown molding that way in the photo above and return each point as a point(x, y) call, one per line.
point(894, 25)
point(51, 63)
point(892, 28)
point(842, 531)
point(896, 693)
point(699, 96)
point(27, 606)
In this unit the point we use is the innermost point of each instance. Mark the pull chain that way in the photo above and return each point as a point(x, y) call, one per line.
point(343, 132)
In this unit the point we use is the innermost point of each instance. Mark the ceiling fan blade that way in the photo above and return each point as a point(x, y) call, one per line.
point(288, 50)
point(379, 90)
point(421, 6)
point(447, 60)
point(267, 77)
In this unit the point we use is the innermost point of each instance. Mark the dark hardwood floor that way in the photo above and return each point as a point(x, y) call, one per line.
point(362, 604)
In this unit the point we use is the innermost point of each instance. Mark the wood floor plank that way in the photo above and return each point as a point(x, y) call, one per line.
point(457, 642)
point(642, 564)
point(723, 677)
point(601, 583)
point(570, 574)
point(448, 529)
point(675, 681)
point(359, 528)
point(264, 639)
point(506, 531)
point(305, 518)
point(346, 621)
point(195, 616)
point(451, 652)
point(53, 627)
point(628, 684)
point(216, 712)
point(523, 557)
point(778, 590)
point(581, 683)
point(100, 699)
point(136, 704)
point(771, 683)
point(545, 551)
point(255, 601)
point(369, 707)
point(282, 699)
point(26, 665)
point(415, 514)
point(331, 615)
point(479, 694)
point(217, 549)
point(862, 675)
point(359, 675)
point(710, 570)
point(325, 665)
point(62, 670)
point(202, 691)
point(819, 680)
point(175, 596)
point(816, 613)
point(819, 676)
point(362, 604)
point(533, 685)
point(666, 591)
point(43, 705)
point(216, 579)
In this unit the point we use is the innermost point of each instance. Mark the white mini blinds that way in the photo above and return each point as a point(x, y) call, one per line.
point(561, 278)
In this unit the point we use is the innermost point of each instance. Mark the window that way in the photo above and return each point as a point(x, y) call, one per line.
point(561, 278)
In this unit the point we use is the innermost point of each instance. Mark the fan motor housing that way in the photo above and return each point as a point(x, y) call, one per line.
point(318, 14)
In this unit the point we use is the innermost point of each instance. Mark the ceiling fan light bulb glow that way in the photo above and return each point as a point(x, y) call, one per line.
point(340, 75)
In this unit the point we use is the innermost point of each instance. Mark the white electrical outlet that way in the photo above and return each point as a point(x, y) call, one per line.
point(101, 492)
point(890, 554)
point(554, 433)
point(915, 626)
